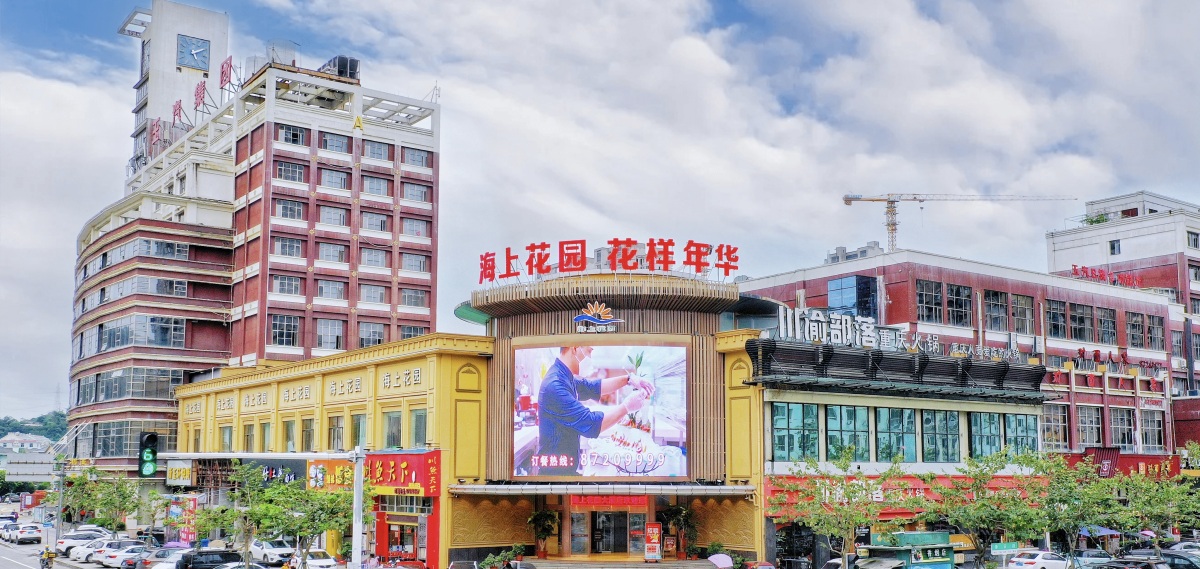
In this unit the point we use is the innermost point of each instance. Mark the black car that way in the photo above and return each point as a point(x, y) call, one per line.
point(1133, 564)
point(207, 559)
point(1176, 559)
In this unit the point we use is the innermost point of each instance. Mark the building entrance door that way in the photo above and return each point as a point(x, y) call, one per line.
point(610, 532)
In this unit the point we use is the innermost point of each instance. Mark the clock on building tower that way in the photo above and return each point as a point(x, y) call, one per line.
point(192, 52)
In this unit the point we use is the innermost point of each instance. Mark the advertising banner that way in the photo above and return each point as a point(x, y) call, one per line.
point(179, 473)
point(398, 473)
point(598, 411)
point(653, 541)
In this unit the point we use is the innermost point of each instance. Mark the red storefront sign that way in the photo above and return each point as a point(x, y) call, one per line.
point(572, 257)
point(1106, 276)
point(634, 501)
point(399, 474)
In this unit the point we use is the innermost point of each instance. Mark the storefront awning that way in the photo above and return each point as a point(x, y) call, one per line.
point(612, 489)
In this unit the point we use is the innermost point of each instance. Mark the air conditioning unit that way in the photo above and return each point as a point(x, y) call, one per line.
point(1178, 363)
point(1193, 393)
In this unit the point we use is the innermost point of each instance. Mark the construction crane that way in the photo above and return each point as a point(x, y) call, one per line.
point(889, 212)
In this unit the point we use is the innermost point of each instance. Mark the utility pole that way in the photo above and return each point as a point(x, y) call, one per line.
point(357, 531)
point(62, 489)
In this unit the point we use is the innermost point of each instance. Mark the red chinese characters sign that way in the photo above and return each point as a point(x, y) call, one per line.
point(623, 255)
point(399, 474)
point(1106, 276)
point(608, 500)
point(226, 72)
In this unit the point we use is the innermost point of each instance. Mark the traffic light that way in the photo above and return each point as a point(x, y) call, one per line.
point(147, 454)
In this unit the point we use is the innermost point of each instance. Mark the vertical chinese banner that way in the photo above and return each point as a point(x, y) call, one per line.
point(653, 541)
point(187, 530)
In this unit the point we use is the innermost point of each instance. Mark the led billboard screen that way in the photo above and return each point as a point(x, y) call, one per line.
point(600, 411)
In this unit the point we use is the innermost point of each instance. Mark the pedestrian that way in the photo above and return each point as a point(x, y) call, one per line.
point(372, 562)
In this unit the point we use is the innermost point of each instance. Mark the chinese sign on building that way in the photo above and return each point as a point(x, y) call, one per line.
point(401, 474)
point(623, 255)
point(1106, 276)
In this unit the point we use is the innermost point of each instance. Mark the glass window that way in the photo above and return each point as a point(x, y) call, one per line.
point(417, 157)
point(332, 252)
point(958, 305)
point(1177, 344)
point(842, 296)
point(372, 293)
point(308, 439)
point(995, 309)
point(293, 135)
point(1021, 432)
point(929, 301)
point(1055, 428)
point(1114, 247)
point(331, 289)
point(289, 436)
point(1155, 333)
point(358, 430)
point(289, 209)
point(335, 142)
point(1193, 240)
point(940, 432)
point(1122, 428)
point(375, 150)
point(1090, 426)
point(418, 428)
point(416, 192)
point(289, 171)
point(374, 221)
point(795, 431)
point(391, 429)
point(1194, 271)
point(374, 258)
point(1152, 431)
point(285, 330)
point(847, 426)
point(370, 334)
point(335, 433)
point(1195, 304)
point(1135, 330)
point(265, 444)
point(196, 440)
point(1056, 319)
point(407, 332)
point(288, 247)
point(985, 434)
point(414, 297)
point(334, 179)
point(334, 215)
point(896, 434)
point(247, 438)
point(375, 186)
point(1196, 345)
point(416, 227)
point(284, 284)
point(226, 439)
point(1108, 325)
point(331, 334)
point(1022, 311)
point(1081, 323)
point(416, 263)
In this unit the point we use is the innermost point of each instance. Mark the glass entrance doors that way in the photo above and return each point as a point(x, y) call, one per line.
point(610, 532)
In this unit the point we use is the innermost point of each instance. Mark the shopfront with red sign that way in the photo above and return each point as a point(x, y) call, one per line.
point(607, 523)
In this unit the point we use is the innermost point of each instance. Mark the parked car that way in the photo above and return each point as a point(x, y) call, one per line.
point(170, 561)
point(79, 552)
point(1090, 557)
point(1133, 564)
point(317, 559)
point(271, 551)
point(152, 557)
point(1186, 546)
point(241, 565)
point(68, 541)
point(109, 546)
point(28, 533)
point(1038, 560)
point(6, 528)
point(114, 557)
point(1176, 559)
point(207, 559)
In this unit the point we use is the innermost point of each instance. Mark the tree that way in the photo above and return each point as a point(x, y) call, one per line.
point(154, 505)
point(1155, 502)
point(838, 499)
point(252, 510)
point(1071, 498)
point(7, 487)
point(115, 496)
point(307, 513)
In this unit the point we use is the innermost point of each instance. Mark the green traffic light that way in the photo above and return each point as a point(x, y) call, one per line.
point(149, 468)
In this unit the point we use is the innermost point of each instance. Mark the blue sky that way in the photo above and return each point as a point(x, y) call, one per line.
point(730, 122)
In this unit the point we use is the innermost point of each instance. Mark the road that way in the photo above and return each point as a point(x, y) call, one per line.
point(24, 556)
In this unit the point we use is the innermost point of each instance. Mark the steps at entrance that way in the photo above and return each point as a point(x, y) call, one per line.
point(623, 564)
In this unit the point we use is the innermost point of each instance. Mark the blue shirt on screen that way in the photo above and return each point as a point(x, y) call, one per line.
point(562, 419)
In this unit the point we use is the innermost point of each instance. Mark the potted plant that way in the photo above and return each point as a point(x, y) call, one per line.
point(544, 524)
point(518, 551)
point(680, 518)
point(693, 551)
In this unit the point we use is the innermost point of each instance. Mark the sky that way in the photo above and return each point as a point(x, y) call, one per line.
point(740, 122)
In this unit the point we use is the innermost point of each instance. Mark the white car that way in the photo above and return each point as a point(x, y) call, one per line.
point(1038, 560)
point(114, 557)
point(169, 562)
point(1185, 546)
point(106, 546)
point(71, 540)
point(80, 551)
point(93, 528)
point(270, 551)
point(7, 528)
point(26, 533)
point(317, 559)
point(240, 565)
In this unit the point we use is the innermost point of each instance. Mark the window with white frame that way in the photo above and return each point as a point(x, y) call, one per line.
point(289, 209)
point(374, 221)
point(293, 135)
point(375, 150)
point(1091, 428)
point(1021, 433)
point(288, 247)
point(374, 258)
point(331, 334)
point(795, 431)
point(285, 330)
point(415, 262)
point(285, 284)
point(929, 301)
point(1156, 335)
point(416, 192)
point(941, 434)
point(416, 227)
point(414, 297)
point(334, 216)
point(332, 252)
point(1082, 328)
point(1122, 428)
point(407, 332)
point(1193, 239)
point(985, 434)
point(1056, 319)
point(335, 142)
point(1107, 318)
point(289, 171)
point(375, 186)
point(372, 293)
point(370, 334)
point(995, 308)
point(1135, 330)
point(417, 157)
point(958, 305)
point(1152, 431)
point(331, 289)
point(1194, 271)
point(1022, 311)
point(335, 179)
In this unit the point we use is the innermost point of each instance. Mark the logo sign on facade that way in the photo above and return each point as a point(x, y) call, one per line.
point(572, 257)
point(1106, 276)
point(180, 473)
point(653, 541)
point(389, 473)
point(608, 500)
point(596, 318)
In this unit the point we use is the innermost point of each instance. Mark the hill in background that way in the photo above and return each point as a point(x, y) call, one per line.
point(52, 425)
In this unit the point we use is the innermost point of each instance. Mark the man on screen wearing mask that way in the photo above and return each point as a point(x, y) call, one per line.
point(562, 419)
